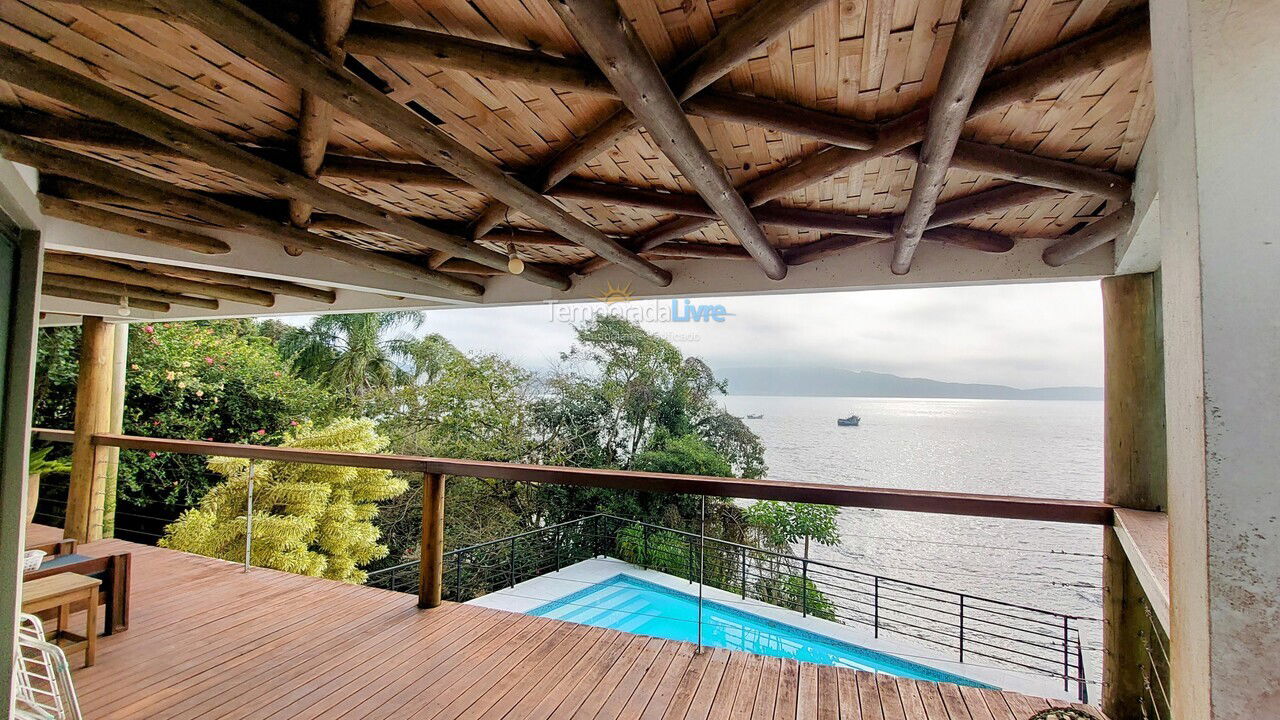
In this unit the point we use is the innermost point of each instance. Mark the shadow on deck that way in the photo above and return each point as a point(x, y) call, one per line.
point(207, 640)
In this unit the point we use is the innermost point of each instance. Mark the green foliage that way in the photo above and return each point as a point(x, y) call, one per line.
point(358, 354)
point(221, 381)
point(796, 592)
point(630, 400)
point(783, 523)
point(660, 550)
point(39, 463)
point(307, 519)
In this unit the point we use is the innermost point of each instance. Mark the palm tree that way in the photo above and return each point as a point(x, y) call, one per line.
point(357, 353)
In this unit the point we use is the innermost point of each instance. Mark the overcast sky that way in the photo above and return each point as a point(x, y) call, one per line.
point(1031, 335)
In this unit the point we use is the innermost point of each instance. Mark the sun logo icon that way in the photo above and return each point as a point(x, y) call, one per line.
point(615, 294)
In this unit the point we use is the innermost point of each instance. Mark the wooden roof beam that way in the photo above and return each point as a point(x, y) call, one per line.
point(57, 289)
point(131, 291)
point(96, 99)
point(105, 219)
point(56, 161)
point(751, 29)
point(1093, 235)
point(976, 38)
point(315, 116)
point(253, 282)
point(85, 266)
point(1091, 52)
point(607, 36)
point(248, 33)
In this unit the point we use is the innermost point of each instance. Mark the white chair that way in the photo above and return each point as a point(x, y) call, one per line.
point(42, 677)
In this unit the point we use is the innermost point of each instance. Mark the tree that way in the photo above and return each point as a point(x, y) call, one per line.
point(624, 398)
point(785, 523)
point(355, 354)
point(222, 381)
point(307, 519)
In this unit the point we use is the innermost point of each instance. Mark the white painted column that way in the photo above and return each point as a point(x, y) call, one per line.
point(1217, 74)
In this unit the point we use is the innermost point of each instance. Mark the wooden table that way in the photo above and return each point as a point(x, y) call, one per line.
point(61, 591)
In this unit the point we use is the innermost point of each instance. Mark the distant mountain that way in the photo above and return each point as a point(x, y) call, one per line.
point(833, 382)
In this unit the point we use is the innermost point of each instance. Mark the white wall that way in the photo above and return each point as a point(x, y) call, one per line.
point(1217, 74)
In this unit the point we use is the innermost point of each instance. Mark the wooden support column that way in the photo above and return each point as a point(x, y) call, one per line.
point(1134, 476)
point(431, 558)
point(92, 415)
point(115, 423)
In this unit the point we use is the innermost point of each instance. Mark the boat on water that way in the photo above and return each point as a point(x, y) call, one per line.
point(755, 417)
point(851, 421)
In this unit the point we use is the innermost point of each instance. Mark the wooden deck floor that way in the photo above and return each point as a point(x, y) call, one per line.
point(208, 641)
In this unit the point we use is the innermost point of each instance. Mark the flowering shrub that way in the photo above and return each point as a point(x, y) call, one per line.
point(218, 381)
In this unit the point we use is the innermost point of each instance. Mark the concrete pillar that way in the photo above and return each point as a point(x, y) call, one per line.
point(1134, 476)
point(88, 461)
point(1217, 75)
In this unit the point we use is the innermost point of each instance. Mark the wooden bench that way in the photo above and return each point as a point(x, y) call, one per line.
point(61, 591)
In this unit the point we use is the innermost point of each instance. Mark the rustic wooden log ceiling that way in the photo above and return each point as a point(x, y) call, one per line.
point(432, 140)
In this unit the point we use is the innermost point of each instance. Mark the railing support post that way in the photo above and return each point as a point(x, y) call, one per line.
point(962, 628)
point(804, 587)
point(430, 574)
point(1066, 654)
point(644, 546)
point(744, 573)
point(511, 560)
point(877, 607)
point(457, 577)
point(248, 520)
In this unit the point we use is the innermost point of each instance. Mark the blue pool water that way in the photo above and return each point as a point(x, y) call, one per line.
point(637, 606)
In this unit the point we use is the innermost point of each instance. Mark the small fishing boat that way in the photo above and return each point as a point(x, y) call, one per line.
point(755, 417)
point(851, 421)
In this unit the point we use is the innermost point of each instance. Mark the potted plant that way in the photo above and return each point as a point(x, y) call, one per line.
point(38, 465)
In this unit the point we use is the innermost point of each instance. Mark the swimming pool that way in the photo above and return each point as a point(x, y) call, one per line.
point(629, 604)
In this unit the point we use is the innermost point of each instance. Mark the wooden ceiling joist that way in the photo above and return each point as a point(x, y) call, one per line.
point(115, 222)
point(753, 28)
point(1093, 235)
point(96, 99)
point(56, 161)
point(54, 289)
point(84, 266)
point(131, 291)
point(315, 116)
point(976, 37)
point(94, 134)
point(1035, 170)
point(1091, 52)
point(601, 29)
point(253, 282)
point(248, 33)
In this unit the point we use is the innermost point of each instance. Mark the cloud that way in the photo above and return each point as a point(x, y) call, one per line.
point(1027, 335)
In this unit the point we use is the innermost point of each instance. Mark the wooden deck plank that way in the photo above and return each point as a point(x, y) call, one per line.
point(207, 640)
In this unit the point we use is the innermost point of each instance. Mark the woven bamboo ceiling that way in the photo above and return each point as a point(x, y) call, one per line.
point(436, 138)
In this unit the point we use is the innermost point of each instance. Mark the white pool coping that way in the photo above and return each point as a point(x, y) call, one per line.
point(541, 590)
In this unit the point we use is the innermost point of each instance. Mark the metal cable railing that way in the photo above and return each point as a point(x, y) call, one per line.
point(970, 628)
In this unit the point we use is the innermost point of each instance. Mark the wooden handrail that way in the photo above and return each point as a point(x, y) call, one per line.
point(948, 503)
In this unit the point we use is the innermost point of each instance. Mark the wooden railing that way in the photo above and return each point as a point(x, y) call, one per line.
point(434, 471)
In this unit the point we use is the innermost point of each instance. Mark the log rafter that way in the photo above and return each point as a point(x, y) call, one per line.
point(241, 29)
point(752, 29)
point(1092, 52)
point(69, 264)
point(610, 40)
point(183, 202)
point(976, 38)
point(96, 99)
point(315, 116)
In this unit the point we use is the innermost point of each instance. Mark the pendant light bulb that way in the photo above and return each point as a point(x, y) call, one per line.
point(123, 310)
point(514, 264)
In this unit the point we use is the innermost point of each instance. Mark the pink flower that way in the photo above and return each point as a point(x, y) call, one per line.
point(276, 373)
point(262, 432)
point(151, 454)
point(293, 423)
point(208, 360)
point(134, 366)
point(155, 423)
point(149, 329)
point(209, 439)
